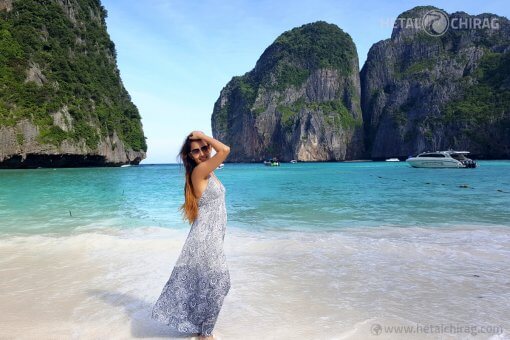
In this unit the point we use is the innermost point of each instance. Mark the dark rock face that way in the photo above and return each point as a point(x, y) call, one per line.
point(31, 161)
point(301, 101)
point(421, 92)
point(62, 102)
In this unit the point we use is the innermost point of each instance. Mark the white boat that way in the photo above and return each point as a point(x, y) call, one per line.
point(393, 160)
point(442, 159)
point(220, 166)
point(293, 161)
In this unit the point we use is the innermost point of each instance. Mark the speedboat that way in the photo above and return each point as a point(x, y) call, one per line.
point(220, 166)
point(393, 160)
point(442, 159)
point(293, 161)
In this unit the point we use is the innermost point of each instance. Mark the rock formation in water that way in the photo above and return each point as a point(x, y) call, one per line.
point(62, 102)
point(301, 101)
point(434, 92)
point(419, 92)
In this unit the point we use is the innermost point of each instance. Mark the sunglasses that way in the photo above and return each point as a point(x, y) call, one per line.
point(205, 149)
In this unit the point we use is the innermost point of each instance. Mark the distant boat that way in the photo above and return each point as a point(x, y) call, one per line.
point(125, 165)
point(220, 166)
point(393, 160)
point(272, 162)
point(442, 159)
point(293, 161)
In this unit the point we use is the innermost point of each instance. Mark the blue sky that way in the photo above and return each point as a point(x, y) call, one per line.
point(175, 57)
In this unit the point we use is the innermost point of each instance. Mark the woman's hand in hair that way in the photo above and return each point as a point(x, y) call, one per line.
point(196, 135)
point(206, 167)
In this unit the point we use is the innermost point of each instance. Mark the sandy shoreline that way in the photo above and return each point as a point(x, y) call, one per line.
point(285, 284)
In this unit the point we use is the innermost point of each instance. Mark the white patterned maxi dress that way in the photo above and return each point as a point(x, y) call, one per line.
point(192, 298)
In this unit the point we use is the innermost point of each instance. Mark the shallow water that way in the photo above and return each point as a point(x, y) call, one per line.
point(302, 196)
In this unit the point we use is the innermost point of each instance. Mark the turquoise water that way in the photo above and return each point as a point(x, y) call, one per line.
point(315, 250)
point(302, 196)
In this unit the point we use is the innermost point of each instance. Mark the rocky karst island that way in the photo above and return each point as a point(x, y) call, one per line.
point(301, 101)
point(62, 102)
point(421, 92)
point(306, 100)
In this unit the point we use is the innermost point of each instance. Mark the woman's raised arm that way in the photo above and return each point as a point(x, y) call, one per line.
point(222, 151)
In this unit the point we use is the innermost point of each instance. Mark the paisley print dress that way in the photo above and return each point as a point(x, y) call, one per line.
point(193, 295)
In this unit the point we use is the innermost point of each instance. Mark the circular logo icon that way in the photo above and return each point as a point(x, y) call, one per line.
point(435, 22)
point(376, 329)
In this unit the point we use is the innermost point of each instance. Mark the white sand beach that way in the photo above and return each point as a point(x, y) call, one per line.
point(323, 285)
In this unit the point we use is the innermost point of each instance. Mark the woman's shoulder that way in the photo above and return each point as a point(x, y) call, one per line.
point(196, 177)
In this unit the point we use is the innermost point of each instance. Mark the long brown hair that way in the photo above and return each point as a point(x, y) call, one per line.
point(189, 208)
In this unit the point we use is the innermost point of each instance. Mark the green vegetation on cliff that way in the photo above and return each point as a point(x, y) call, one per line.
point(288, 63)
point(295, 54)
point(72, 63)
point(488, 98)
point(317, 45)
point(334, 111)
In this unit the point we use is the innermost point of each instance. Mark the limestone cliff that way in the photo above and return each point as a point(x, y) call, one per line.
point(423, 92)
point(301, 101)
point(62, 102)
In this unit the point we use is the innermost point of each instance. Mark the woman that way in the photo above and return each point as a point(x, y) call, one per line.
point(192, 298)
